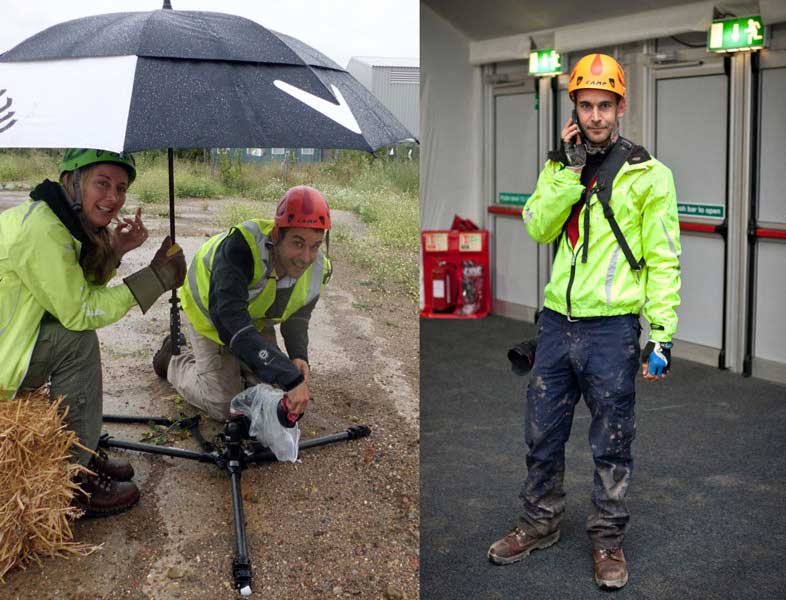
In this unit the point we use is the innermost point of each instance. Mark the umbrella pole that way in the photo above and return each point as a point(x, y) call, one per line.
point(174, 309)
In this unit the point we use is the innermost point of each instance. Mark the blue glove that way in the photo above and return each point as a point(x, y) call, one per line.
point(658, 356)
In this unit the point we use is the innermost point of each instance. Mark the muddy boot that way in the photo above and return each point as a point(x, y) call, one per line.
point(611, 568)
point(118, 469)
point(162, 357)
point(102, 496)
point(519, 544)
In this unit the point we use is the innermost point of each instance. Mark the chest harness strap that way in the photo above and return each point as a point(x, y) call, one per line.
point(602, 186)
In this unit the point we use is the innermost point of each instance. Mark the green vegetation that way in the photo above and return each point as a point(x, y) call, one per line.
point(382, 192)
point(28, 167)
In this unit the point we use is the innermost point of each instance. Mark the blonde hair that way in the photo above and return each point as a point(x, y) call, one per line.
point(99, 263)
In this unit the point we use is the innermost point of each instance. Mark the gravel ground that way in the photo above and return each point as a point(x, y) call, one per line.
point(342, 524)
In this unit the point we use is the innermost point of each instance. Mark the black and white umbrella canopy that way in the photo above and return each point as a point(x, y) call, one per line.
point(182, 79)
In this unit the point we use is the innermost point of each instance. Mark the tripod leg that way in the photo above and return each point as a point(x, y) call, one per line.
point(241, 565)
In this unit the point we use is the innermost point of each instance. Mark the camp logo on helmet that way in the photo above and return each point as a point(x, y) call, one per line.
point(306, 221)
point(599, 82)
point(5, 116)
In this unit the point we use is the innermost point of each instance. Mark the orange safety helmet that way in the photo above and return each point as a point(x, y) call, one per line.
point(597, 72)
point(303, 206)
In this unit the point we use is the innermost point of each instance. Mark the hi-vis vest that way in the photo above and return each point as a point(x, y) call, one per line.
point(261, 289)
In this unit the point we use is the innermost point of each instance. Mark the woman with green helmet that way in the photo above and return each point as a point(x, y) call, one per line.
point(58, 251)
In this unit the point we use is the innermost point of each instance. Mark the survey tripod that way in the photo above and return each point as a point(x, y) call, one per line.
point(233, 451)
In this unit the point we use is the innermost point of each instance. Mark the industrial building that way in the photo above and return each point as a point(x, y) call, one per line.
point(393, 81)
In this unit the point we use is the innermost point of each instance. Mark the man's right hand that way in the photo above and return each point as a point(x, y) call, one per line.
point(299, 397)
point(573, 146)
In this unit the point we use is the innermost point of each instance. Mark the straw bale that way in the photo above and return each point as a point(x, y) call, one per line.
point(36, 483)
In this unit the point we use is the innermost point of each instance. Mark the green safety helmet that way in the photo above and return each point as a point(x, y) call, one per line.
point(76, 158)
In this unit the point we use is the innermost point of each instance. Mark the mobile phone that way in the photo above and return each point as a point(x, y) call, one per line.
point(575, 118)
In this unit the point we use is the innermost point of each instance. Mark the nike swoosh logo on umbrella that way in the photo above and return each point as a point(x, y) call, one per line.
point(340, 113)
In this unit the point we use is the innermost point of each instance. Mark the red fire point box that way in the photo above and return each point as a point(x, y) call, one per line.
point(456, 278)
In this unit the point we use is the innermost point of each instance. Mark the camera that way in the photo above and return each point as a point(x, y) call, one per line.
point(522, 356)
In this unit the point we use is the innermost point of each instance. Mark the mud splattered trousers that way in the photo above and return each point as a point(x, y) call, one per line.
point(598, 359)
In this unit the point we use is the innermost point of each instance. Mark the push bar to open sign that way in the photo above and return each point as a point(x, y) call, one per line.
point(714, 211)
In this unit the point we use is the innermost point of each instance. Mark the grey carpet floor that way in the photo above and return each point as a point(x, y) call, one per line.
point(708, 498)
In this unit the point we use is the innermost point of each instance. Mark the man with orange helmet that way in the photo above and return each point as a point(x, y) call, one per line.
point(239, 285)
point(613, 209)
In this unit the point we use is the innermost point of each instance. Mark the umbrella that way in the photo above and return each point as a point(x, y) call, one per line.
point(181, 79)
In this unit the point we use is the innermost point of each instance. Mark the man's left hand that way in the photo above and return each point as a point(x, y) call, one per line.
point(303, 367)
point(656, 360)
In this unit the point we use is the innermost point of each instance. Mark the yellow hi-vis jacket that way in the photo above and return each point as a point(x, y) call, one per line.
point(40, 272)
point(645, 206)
point(261, 289)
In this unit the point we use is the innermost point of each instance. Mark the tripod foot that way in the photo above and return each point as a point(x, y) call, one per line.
point(241, 570)
point(358, 431)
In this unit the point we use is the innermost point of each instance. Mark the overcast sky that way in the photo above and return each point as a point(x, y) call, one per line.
point(340, 29)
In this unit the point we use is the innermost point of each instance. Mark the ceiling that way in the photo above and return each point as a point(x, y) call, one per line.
point(500, 18)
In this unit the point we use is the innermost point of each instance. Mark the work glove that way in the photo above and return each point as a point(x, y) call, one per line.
point(166, 272)
point(575, 154)
point(657, 357)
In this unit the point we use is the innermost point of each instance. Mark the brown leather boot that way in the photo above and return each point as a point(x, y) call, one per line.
point(118, 469)
point(101, 496)
point(611, 569)
point(518, 544)
point(162, 357)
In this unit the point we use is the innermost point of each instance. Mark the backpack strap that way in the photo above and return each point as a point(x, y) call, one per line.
point(604, 179)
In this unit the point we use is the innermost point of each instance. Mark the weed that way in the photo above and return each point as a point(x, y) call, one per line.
point(237, 212)
point(160, 435)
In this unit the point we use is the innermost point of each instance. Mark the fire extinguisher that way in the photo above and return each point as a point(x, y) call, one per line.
point(444, 286)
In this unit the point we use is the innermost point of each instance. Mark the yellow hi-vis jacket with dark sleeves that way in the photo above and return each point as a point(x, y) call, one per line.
point(261, 289)
point(645, 206)
point(40, 272)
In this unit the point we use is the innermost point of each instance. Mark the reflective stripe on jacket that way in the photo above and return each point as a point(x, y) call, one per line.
point(40, 272)
point(262, 287)
point(645, 206)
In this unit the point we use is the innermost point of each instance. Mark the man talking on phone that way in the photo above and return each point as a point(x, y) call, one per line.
point(613, 209)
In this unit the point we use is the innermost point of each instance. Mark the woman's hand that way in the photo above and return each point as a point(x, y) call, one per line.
point(129, 234)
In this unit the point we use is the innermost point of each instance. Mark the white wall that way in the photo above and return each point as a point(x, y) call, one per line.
point(450, 101)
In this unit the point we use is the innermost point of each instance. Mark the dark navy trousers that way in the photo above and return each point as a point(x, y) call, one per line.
point(598, 359)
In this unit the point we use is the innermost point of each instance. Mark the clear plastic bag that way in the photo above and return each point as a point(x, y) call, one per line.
point(259, 404)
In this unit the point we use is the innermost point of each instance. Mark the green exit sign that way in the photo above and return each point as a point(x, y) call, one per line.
point(732, 35)
point(544, 62)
